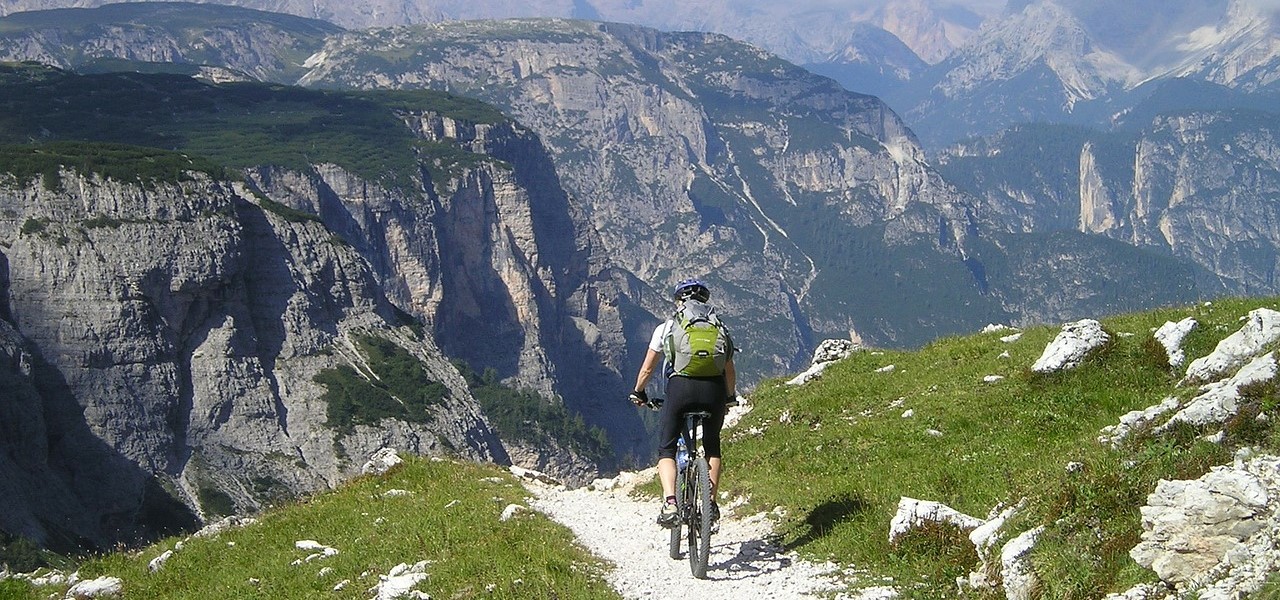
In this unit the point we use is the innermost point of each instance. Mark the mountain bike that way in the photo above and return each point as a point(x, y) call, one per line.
point(693, 495)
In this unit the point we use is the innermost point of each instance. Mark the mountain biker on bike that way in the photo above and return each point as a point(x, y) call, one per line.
point(686, 394)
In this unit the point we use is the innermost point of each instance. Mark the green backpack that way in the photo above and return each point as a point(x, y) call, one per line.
point(698, 345)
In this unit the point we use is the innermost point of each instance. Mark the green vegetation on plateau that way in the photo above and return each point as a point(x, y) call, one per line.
point(232, 125)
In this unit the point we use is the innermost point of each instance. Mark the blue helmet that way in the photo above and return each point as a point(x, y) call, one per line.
point(691, 288)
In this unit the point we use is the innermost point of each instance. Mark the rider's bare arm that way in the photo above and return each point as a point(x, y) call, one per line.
point(650, 365)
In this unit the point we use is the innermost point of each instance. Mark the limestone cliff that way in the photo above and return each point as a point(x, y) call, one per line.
point(164, 340)
point(1193, 185)
point(692, 154)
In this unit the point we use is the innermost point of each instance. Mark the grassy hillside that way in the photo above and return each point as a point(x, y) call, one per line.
point(451, 517)
point(838, 452)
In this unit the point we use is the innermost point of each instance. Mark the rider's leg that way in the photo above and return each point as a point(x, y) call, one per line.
point(667, 475)
point(714, 464)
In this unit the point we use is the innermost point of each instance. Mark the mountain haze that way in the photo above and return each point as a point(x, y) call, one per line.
point(1076, 61)
point(800, 32)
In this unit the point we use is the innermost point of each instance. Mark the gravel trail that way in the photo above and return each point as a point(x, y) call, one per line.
point(744, 563)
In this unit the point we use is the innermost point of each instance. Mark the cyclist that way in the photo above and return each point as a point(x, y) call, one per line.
point(685, 394)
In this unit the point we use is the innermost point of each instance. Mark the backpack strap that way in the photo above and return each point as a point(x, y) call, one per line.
point(669, 344)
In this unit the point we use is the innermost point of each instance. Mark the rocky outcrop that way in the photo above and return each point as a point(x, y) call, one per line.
point(1211, 537)
point(828, 353)
point(1261, 328)
point(1189, 527)
point(170, 334)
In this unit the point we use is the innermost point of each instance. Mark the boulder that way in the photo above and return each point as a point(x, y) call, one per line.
point(1069, 349)
point(381, 462)
point(102, 587)
point(1190, 526)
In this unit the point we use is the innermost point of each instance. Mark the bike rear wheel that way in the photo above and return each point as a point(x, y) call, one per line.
point(700, 522)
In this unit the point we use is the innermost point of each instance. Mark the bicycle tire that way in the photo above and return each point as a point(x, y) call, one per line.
point(689, 515)
point(674, 546)
point(700, 521)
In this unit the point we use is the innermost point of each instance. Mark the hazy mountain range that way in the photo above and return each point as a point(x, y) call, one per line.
point(951, 69)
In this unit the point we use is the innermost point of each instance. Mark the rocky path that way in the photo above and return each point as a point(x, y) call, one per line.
point(619, 528)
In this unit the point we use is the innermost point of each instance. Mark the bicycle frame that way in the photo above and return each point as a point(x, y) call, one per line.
point(693, 499)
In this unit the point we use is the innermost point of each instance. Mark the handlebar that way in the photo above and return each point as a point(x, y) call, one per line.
point(656, 403)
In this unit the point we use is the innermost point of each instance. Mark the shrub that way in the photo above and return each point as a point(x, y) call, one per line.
point(20, 554)
point(398, 388)
point(521, 415)
point(33, 226)
point(215, 502)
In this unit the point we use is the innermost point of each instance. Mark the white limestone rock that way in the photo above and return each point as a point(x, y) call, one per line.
point(1069, 349)
point(1191, 526)
point(511, 511)
point(1114, 435)
point(158, 562)
point(102, 587)
point(382, 461)
point(827, 353)
point(1142, 591)
point(833, 350)
point(913, 513)
point(1218, 401)
point(1170, 336)
point(1261, 327)
point(1015, 565)
point(400, 581)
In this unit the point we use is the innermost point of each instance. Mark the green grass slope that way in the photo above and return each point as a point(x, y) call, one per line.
point(451, 518)
point(839, 452)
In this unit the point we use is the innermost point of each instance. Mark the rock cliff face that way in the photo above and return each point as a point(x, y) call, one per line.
point(253, 44)
point(1173, 188)
point(163, 346)
point(491, 259)
point(1186, 194)
point(690, 149)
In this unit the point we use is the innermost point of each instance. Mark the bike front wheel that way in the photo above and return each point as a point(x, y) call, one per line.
point(700, 524)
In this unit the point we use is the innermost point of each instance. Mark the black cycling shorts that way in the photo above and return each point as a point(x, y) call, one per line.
point(691, 394)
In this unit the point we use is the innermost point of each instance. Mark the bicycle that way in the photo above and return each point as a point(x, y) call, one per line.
point(693, 495)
